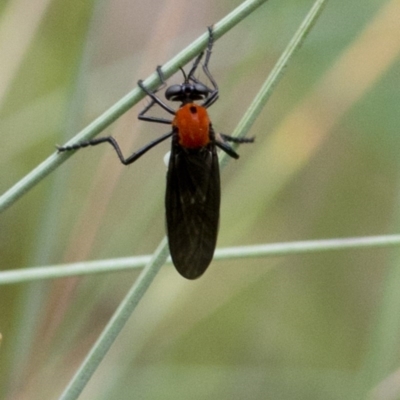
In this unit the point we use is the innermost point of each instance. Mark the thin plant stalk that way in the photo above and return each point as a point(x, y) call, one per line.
point(276, 74)
point(229, 253)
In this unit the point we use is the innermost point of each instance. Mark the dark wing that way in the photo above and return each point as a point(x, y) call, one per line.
point(192, 208)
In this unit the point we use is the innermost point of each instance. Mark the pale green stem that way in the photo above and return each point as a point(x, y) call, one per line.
point(229, 253)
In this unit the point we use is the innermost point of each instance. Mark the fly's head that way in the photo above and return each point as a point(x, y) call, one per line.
point(187, 92)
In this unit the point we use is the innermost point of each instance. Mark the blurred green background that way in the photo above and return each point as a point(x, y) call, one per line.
point(325, 164)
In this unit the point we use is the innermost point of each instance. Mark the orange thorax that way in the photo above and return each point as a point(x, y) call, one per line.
point(193, 126)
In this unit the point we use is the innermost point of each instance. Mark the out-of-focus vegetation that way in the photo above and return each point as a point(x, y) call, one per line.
point(325, 164)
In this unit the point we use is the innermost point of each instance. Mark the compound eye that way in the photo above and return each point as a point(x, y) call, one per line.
point(173, 91)
point(201, 89)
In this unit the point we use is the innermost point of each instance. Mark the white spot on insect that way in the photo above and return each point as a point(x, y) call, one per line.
point(166, 158)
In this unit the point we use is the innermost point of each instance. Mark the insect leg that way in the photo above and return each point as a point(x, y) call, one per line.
point(162, 79)
point(213, 97)
point(155, 99)
point(115, 145)
point(194, 67)
point(223, 145)
point(146, 148)
point(142, 115)
point(227, 149)
point(208, 55)
point(236, 139)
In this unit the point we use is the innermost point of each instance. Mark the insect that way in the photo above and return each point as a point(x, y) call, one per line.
point(193, 193)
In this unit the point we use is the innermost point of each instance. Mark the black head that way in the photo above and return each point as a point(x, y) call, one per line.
point(187, 92)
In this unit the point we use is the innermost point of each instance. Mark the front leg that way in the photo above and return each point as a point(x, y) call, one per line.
point(115, 145)
point(155, 99)
point(144, 117)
